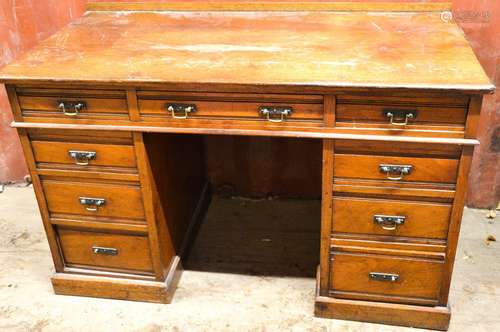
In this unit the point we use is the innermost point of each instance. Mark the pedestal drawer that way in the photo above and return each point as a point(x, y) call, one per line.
point(390, 217)
point(385, 278)
point(84, 154)
point(105, 250)
point(395, 168)
point(94, 199)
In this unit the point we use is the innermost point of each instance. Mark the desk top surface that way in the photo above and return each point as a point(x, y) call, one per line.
point(326, 49)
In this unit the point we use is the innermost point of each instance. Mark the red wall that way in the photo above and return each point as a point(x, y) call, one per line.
point(25, 22)
point(480, 21)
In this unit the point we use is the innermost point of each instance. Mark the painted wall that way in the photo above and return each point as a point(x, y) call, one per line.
point(480, 20)
point(25, 22)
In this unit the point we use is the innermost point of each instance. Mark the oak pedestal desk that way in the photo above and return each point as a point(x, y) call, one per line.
point(113, 111)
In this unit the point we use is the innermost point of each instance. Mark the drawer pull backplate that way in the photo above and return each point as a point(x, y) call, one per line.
point(82, 157)
point(388, 223)
point(92, 204)
point(383, 276)
point(275, 113)
point(183, 109)
point(399, 117)
point(402, 170)
point(105, 251)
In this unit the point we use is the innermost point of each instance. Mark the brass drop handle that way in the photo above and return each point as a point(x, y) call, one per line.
point(275, 113)
point(402, 115)
point(75, 106)
point(379, 276)
point(82, 157)
point(91, 204)
point(389, 169)
point(389, 223)
point(104, 251)
point(183, 109)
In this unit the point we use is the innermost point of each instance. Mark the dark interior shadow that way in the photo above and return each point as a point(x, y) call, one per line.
point(279, 237)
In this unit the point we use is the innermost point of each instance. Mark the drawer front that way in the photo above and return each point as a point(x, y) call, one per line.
point(395, 169)
point(105, 250)
point(390, 278)
point(271, 108)
point(94, 199)
point(390, 217)
point(410, 114)
point(406, 149)
point(84, 154)
point(417, 115)
point(73, 104)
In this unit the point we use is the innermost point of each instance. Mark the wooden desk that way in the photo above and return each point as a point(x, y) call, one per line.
point(391, 98)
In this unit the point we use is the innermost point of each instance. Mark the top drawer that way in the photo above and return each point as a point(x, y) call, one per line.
point(401, 114)
point(157, 105)
point(73, 104)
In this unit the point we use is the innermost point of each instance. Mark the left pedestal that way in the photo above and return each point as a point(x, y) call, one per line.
point(102, 214)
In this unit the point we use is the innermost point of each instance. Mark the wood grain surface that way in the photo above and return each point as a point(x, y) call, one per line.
point(268, 5)
point(132, 251)
point(329, 49)
point(423, 169)
point(350, 278)
point(121, 201)
point(425, 220)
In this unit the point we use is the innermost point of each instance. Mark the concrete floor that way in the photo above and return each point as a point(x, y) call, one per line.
point(214, 301)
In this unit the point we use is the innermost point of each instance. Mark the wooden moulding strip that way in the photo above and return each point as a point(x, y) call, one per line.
point(119, 288)
point(251, 132)
point(427, 317)
point(269, 6)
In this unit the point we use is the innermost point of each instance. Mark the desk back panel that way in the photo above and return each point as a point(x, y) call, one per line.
point(262, 166)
